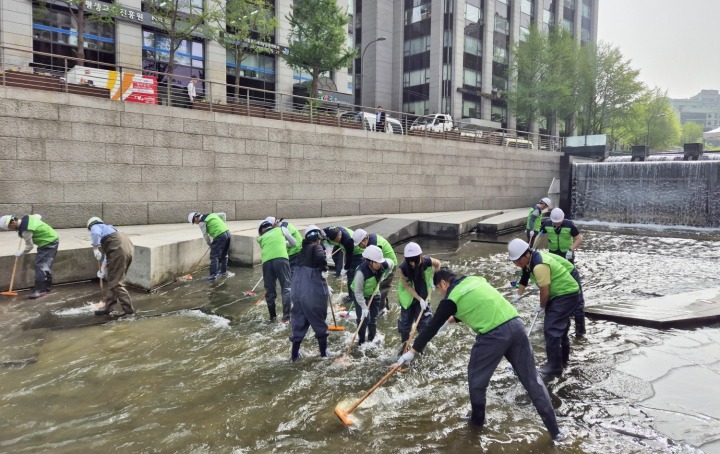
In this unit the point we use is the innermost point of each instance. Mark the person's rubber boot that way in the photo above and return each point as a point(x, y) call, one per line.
point(322, 346)
point(403, 339)
point(39, 291)
point(127, 309)
point(580, 326)
point(104, 311)
point(48, 284)
point(273, 314)
point(372, 330)
point(549, 369)
point(295, 354)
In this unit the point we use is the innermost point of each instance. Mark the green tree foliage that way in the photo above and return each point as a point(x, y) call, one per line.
point(691, 132)
point(651, 121)
point(318, 36)
point(179, 21)
point(80, 16)
point(244, 23)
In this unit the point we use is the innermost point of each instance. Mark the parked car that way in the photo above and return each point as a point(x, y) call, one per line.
point(392, 125)
point(434, 123)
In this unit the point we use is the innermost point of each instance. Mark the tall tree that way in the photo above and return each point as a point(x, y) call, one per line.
point(179, 21)
point(318, 37)
point(244, 22)
point(691, 132)
point(651, 121)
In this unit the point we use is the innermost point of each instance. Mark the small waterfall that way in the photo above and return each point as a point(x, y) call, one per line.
point(683, 193)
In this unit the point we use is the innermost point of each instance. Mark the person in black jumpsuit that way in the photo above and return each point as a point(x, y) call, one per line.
point(310, 293)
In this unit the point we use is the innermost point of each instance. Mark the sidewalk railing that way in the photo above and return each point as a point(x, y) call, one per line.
point(112, 81)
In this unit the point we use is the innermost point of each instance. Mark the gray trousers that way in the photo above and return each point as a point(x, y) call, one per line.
point(508, 340)
point(119, 252)
point(44, 259)
point(273, 271)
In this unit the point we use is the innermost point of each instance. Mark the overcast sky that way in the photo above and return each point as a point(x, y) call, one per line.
point(674, 43)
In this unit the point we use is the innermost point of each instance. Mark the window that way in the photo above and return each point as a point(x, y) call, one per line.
point(569, 26)
point(418, 77)
point(253, 66)
point(189, 58)
point(472, 78)
point(416, 46)
point(502, 25)
point(473, 13)
point(416, 108)
point(500, 55)
point(499, 83)
point(526, 7)
point(470, 109)
point(498, 114)
point(473, 46)
point(417, 14)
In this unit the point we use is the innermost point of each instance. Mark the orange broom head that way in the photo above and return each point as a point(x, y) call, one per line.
point(344, 417)
point(9, 293)
point(188, 278)
point(336, 328)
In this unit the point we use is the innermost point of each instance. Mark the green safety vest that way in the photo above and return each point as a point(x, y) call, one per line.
point(272, 245)
point(295, 234)
point(538, 220)
point(558, 241)
point(561, 281)
point(214, 225)
point(42, 234)
point(386, 248)
point(371, 278)
point(479, 305)
point(404, 297)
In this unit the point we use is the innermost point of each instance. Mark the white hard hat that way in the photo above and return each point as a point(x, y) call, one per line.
point(546, 201)
point(270, 219)
point(191, 216)
point(5, 221)
point(373, 253)
point(93, 220)
point(318, 232)
point(358, 236)
point(516, 248)
point(557, 215)
point(412, 250)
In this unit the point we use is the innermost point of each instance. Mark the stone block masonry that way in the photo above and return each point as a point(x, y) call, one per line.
point(68, 157)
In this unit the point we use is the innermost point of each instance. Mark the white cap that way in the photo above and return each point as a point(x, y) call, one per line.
point(5, 222)
point(191, 216)
point(358, 236)
point(270, 219)
point(516, 248)
point(373, 253)
point(546, 201)
point(412, 250)
point(557, 215)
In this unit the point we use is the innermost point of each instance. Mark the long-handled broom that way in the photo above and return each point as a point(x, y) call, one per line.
point(12, 279)
point(345, 357)
point(344, 415)
point(252, 292)
point(334, 326)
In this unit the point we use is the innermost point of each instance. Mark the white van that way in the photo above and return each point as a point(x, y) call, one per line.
point(518, 143)
point(392, 125)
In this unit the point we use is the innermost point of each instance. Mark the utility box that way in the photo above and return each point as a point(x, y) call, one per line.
point(693, 151)
point(640, 152)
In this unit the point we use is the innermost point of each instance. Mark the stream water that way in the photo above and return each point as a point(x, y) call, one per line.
point(219, 379)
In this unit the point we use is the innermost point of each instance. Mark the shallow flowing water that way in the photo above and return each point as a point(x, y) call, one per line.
point(219, 379)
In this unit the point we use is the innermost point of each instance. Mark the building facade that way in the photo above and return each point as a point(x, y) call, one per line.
point(420, 56)
point(703, 109)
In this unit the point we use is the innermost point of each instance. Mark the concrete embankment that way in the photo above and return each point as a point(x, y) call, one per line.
point(165, 251)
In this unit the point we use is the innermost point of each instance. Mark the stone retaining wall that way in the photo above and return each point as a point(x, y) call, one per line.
point(69, 157)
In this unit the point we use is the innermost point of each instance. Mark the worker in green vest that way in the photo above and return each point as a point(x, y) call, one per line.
point(559, 297)
point(35, 232)
point(362, 240)
point(293, 251)
point(500, 334)
point(365, 288)
point(274, 243)
point(534, 221)
point(563, 240)
point(416, 281)
point(217, 237)
point(342, 237)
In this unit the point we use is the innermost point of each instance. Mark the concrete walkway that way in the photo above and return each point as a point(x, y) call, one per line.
point(165, 251)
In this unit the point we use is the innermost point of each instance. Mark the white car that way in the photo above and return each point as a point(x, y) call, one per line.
point(392, 125)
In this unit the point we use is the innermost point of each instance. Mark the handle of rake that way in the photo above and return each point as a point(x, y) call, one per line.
point(532, 325)
point(413, 331)
point(102, 289)
point(258, 283)
point(12, 279)
point(373, 389)
point(362, 319)
point(198, 263)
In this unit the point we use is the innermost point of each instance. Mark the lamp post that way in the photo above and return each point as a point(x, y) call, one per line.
point(652, 117)
point(362, 68)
